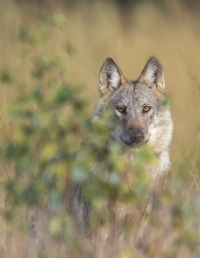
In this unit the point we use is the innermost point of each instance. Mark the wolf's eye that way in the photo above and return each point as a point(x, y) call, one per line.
point(121, 109)
point(146, 109)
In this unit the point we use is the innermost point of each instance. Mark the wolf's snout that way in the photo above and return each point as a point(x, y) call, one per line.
point(136, 135)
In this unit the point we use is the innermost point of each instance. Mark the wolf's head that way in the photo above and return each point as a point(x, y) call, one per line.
point(136, 105)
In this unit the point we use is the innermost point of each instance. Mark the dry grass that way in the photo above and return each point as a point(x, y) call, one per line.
point(96, 32)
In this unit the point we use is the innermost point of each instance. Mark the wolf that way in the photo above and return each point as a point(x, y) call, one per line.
point(137, 105)
point(140, 116)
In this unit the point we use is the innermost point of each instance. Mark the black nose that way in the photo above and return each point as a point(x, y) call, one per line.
point(136, 135)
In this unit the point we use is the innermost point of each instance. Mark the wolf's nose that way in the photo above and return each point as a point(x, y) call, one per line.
point(136, 135)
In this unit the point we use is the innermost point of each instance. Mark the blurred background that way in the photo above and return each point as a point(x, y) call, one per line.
point(128, 31)
point(82, 34)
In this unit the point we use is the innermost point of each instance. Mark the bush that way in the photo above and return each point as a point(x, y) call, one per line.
point(63, 165)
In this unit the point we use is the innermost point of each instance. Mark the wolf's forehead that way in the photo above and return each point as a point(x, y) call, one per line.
point(141, 92)
point(133, 94)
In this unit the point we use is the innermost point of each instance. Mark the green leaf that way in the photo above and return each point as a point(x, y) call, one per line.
point(5, 76)
point(22, 34)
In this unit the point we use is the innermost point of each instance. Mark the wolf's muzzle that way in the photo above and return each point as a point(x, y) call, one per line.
point(136, 135)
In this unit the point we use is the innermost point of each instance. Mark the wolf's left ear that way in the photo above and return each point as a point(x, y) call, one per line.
point(153, 74)
point(110, 76)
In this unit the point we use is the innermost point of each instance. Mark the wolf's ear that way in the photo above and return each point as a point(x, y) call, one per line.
point(153, 74)
point(110, 76)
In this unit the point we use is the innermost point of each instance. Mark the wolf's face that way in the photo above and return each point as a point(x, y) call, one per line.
point(135, 108)
point(135, 104)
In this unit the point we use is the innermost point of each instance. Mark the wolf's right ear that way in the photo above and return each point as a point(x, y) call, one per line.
point(110, 76)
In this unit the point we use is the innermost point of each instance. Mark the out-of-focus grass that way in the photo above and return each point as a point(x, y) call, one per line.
point(90, 33)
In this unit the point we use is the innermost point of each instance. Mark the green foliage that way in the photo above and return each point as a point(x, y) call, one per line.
point(55, 143)
point(5, 76)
